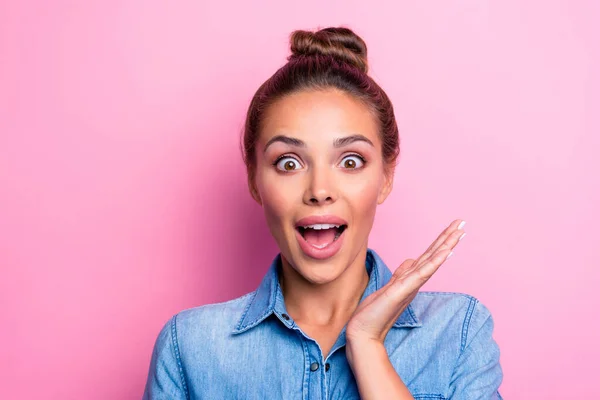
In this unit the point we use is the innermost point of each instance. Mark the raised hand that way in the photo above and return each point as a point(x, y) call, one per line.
point(376, 314)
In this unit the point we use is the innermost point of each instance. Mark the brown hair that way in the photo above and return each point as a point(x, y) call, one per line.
point(328, 58)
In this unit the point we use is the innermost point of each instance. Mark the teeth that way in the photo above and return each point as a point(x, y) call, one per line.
point(321, 226)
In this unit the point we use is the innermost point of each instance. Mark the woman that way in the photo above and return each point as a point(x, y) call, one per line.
point(329, 320)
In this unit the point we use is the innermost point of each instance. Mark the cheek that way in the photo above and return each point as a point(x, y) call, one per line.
point(362, 192)
point(279, 196)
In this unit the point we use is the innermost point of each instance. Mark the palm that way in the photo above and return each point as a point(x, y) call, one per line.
point(376, 314)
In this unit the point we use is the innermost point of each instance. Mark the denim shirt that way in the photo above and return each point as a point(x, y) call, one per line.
point(250, 348)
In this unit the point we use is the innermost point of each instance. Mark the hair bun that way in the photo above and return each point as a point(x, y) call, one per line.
point(340, 43)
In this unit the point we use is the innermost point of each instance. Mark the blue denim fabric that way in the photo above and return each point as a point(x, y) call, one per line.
point(249, 348)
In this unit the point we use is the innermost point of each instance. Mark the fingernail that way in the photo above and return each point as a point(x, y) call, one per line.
point(462, 236)
point(449, 255)
point(462, 224)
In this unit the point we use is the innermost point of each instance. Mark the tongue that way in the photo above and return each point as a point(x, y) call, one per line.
point(319, 237)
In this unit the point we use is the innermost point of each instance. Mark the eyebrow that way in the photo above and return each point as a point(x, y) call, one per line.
point(337, 143)
point(345, 141)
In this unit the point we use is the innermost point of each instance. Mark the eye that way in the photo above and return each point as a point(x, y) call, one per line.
point(287, 164)
point(353, 162)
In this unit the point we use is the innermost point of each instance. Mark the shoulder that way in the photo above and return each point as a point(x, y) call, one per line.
point(462, 327)
point(213, 316)
point(204, 327)
point(189, 342)
point(200, 321)
point(429, 304)
point(460, 312)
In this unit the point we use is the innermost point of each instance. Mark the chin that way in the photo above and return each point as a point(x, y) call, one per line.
point(317, 272)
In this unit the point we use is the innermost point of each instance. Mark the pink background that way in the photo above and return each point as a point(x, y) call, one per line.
point(123, 197)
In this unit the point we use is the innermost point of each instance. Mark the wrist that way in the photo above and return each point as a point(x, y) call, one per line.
point(375, 375)
point(365, 351)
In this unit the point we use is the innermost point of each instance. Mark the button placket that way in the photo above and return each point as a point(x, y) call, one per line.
point(316, 379)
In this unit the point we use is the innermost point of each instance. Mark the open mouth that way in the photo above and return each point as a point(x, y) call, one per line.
point(321, 235)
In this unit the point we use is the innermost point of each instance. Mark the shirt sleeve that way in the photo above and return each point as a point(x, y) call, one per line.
point(165, 376)
point(477, 374)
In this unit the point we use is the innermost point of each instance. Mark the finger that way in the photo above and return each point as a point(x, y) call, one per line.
point(405, 267)
point(451, 236)
point(412, 274)
point(450, 242)
point(399, 292)
point(411, 264)
point(457, 224)
point(447, 246)
point(454, 225)
point(417, 278)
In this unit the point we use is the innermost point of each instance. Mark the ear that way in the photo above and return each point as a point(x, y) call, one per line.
point(386, 188)
point(253, 190)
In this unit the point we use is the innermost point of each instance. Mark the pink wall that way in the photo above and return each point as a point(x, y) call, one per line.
point(122, 191)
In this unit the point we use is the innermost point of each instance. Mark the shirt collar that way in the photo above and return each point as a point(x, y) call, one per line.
point(268, 298)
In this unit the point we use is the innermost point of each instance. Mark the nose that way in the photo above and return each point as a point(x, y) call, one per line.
point(321, 188)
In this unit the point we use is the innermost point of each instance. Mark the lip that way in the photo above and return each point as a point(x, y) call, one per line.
point(321, 219)
point(326, 252)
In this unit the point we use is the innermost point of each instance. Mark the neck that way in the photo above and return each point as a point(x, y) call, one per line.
point(327, 303)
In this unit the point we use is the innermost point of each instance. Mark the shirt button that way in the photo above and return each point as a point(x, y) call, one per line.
point(314, 366)
point(327, 366)
point(285, 316)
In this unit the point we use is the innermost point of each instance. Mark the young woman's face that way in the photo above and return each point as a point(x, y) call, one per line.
point(319, 177)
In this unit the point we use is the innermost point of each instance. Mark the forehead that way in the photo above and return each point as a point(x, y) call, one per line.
point(319, 115)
